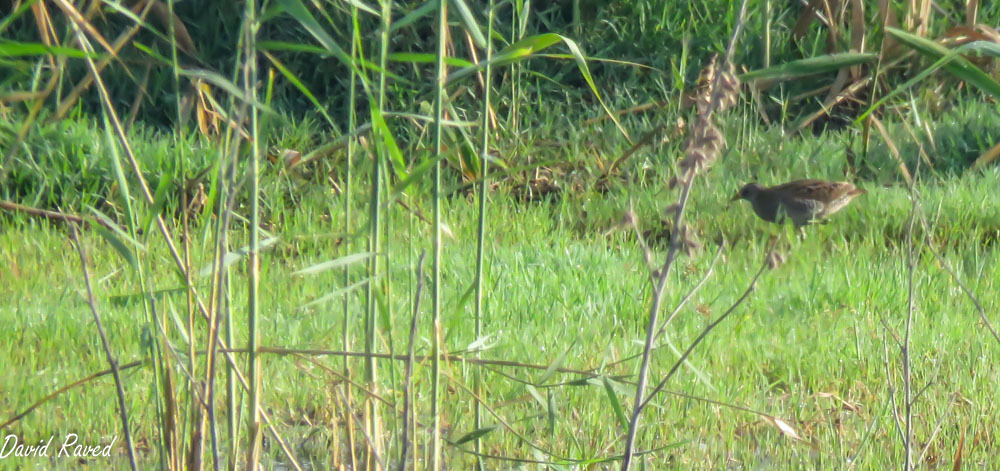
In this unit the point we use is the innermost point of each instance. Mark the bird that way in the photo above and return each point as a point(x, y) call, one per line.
point(802, 201)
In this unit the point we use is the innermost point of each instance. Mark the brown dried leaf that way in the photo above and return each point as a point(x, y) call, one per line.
point(960, 35)
point(893, 150)
point(671, 210)
point(987, 157)
point(971, 11)
point(783, 427)
point(844, 404)
point(858, 29)
point(805, 19)
point(675, 182)
point(161, 12)
point(887, 16)
point(775, 259)
point(957, 463)
point(291, 158)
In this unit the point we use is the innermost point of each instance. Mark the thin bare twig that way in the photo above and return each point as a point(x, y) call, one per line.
point(654, 310)
point(888, 379)
point(704, 333)
point(687, 297)
point(408, 381)
point(122, 410)
point(648, 138)
point(715, 101)
point(306, 352)
point(937, 429)
point(853, 461)
point(450, 358)
point(499, 418)
point(68, 387)
point(364, 431)
point(958, 281)
point(54, 215)
point(910, 308)
point(680, 305)
point(907, 393)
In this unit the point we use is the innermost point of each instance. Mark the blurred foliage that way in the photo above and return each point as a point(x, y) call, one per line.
point(672, 38)
point(644, 56)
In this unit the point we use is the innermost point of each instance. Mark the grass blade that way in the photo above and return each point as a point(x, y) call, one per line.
point(117, 244)
point(616, 405)
point(395, 155)
point(159, 200)
point(331, 264)
point(19, 49)
point(477, 433)
point(225, 84)
point(427, 58)
point(957, 66)
point(554, 367)
point(414, 15)
point(470, 22)
point(337, 293)
point(236, 255)
point(809, 66)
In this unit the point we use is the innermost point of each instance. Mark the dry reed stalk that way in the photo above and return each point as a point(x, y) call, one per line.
point(718, 91)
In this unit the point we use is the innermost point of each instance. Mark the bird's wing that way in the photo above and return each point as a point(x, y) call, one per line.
point(800, 210)
point(820, 190)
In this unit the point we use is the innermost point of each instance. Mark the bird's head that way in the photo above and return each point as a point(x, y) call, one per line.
point(747, 192)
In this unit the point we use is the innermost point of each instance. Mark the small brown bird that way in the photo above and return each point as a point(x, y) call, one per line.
point(802, 201)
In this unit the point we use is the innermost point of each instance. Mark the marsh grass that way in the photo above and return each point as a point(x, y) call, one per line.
point(809, 338)
point(514, 177)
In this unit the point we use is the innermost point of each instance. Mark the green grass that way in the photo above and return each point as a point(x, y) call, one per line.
point(811, 336)
point(565, 290)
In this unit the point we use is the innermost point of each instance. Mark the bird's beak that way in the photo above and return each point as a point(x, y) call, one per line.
point(734, 198)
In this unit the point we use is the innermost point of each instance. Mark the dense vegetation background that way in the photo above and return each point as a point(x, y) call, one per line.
point(349, 234)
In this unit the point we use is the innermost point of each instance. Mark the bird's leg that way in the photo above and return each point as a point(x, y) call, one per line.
point(774, 240)
point(777, 244)
point(785, 237)
point(793, 230)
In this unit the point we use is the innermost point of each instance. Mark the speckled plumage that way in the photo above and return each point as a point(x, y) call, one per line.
point(802, 201)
